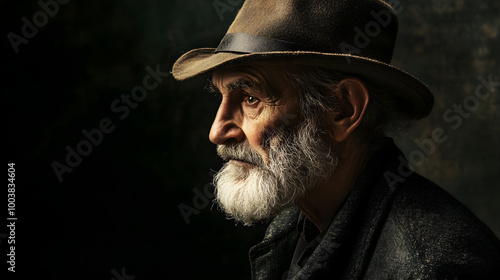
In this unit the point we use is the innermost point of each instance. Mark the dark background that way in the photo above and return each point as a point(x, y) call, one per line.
point(117, 213)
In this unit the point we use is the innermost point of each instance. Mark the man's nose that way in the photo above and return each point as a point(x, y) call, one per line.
point(226, 125)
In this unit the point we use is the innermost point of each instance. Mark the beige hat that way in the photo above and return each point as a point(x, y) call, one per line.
point(352, 36)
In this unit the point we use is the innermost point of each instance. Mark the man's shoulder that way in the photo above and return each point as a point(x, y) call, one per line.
point(423, 209)
point(429, 231)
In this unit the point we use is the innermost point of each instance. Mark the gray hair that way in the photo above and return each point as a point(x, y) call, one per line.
point(382, 116)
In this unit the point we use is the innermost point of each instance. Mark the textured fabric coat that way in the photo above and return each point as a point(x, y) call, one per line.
point(394, 224)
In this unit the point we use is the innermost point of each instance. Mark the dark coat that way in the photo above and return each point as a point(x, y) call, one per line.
point(395, 224)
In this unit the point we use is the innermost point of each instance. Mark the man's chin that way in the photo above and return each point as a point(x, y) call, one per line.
point(249, 213)
point(247, 195)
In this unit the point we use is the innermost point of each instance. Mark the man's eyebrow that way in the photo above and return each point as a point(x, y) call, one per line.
point(235, 85)
point(211, 87)
point(242, 83)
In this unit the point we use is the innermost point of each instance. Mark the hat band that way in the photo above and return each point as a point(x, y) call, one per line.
point(246, 43)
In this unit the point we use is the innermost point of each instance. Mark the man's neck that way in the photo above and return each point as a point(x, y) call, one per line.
point(322, 203)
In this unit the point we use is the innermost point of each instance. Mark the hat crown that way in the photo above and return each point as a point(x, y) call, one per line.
point(365, 28)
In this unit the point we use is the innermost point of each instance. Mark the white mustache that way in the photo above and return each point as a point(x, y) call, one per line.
point(242, 152)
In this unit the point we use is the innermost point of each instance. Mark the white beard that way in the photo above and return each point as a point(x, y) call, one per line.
point(298, 160)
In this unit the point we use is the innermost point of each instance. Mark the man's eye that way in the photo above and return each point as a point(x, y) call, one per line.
point(250, 99)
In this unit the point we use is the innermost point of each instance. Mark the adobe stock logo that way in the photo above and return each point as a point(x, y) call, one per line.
point(372, 29)
point(454, 117)
point(222, 7)
point(40, 18)
point(94, 137)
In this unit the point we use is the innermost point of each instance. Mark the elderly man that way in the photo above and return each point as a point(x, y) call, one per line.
point(308, 95)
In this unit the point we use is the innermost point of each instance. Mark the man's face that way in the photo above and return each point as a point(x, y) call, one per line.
point(274, 153)
point(248, 109)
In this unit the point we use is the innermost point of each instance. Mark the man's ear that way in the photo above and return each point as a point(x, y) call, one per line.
point(353, 100)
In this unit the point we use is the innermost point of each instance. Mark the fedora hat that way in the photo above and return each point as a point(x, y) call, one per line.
point(354, 37)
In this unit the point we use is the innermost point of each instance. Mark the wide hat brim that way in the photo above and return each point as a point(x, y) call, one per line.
point(411, 96)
